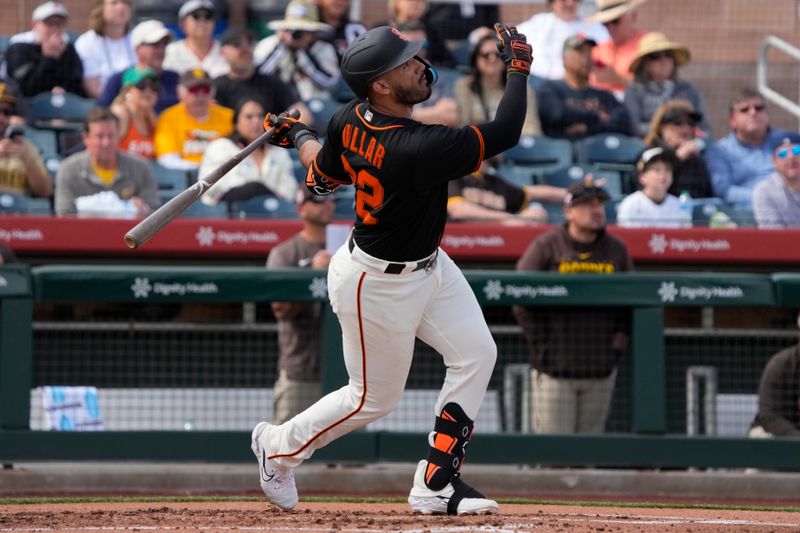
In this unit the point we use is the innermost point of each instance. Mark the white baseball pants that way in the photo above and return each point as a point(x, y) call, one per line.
point(380, 315)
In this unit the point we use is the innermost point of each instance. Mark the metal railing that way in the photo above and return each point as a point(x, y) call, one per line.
point(762, 74)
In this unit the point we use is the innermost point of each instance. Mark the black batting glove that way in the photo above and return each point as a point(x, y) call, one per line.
point(288, 131)
point(514, 49)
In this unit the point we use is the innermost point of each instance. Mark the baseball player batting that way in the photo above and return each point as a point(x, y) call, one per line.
point(391, 282)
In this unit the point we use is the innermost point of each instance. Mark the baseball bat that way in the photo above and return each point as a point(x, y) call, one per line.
point(155, 221)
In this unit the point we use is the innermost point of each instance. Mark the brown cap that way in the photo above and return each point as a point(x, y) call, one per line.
point(195, 76)
point(584, 190)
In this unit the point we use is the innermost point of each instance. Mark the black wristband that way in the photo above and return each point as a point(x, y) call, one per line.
point(303, 136)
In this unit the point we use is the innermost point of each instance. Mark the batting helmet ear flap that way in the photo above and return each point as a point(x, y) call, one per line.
point(431, 75)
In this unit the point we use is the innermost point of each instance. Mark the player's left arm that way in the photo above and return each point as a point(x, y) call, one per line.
point(503, 132)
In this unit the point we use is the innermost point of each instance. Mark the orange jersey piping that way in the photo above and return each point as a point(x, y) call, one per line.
point(480, 141)
point(363, 373)
point(370, 126)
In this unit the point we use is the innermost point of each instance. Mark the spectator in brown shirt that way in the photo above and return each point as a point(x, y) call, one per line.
point(779, 396)
point(575, 351)
point(298, 384)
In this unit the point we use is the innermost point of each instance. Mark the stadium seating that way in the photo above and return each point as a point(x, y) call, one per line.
point(200, 209)
point(342, 92)
point(15, 203)
point(611, 151)
point(566, 176)
point(264, 207)
point(58, 111)
point(533, 156)
point(322, 109)
point(47, 143)
point(170, 181)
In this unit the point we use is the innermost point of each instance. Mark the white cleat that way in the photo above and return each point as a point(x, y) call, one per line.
point(426, 501)
point(276, 482)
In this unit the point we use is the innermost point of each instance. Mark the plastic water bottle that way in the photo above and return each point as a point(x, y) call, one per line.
point(685, 200)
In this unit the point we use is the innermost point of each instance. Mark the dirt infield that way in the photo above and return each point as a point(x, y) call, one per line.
point(373, 517)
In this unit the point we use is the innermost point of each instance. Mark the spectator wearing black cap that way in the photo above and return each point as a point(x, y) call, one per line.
point(776, 200)
point(49, 62)
point(652, 206)
point(244, 82)
point(22, 170)
point(199, 49)
point(297, 52)
point(575, 352)
point(570, 108)
point(299, 332)
point(149, 40)
point(675, 128)
point(184, 131)
point(336, 14)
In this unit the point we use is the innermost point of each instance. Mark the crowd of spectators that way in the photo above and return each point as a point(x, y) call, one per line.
point(176, 99)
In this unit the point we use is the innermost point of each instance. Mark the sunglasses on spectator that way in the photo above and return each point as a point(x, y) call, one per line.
point(659, 55)
point(757, 108)
point(487, 55)
point(783, 153)
point(298, 34)
point(202, 14)
point(200, 89)
point(153, 85)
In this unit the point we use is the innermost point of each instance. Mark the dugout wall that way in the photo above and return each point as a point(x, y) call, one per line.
point(183, 360)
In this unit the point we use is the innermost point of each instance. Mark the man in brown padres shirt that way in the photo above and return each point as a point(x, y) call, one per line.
point(575, 351)
point(298, 384)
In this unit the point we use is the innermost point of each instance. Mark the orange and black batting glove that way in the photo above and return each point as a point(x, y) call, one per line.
point(514, 49)
point(289, 132)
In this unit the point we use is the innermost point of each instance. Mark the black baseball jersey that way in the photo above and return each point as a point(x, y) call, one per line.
point(400, 169)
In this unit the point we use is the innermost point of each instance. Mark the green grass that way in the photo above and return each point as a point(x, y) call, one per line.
point(577, 503)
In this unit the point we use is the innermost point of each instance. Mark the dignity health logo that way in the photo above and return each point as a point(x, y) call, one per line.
point(494, 289)
point(659, 244)
point(669, 291)
point(141, 288)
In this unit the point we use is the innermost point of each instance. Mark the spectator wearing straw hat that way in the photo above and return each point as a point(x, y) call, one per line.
point(298, 54)
point(656, 80)
point(199, 49)
point(614, 56)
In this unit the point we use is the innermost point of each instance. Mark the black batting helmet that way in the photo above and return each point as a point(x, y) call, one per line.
point(378, 51)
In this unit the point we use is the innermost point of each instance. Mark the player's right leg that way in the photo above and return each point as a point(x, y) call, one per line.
point(455, 327)
point(379, 314)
